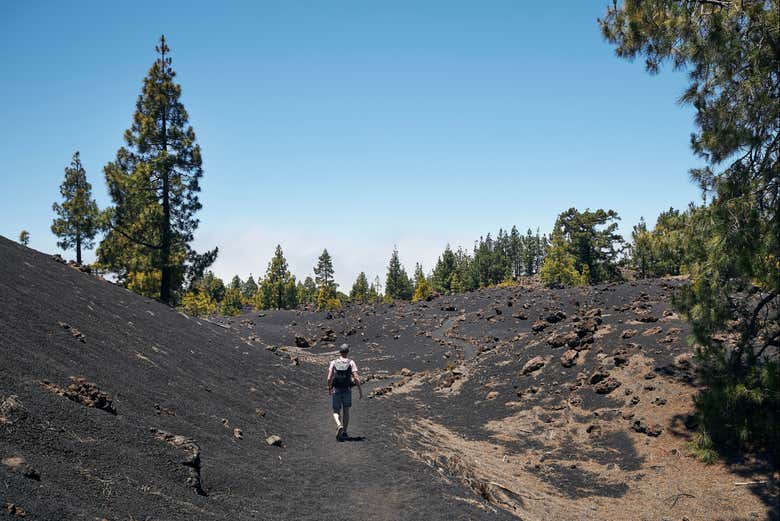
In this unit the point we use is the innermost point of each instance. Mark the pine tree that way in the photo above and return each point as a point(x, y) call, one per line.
point(530, 248)
point(444, 271)
point(731, 51)
point(236, 283)
point(249, 289)
point(291, 294)
point(77, 221)
point(326, 285)
point(516, 253)
point(154, 184)
point(641, 249)
point(560, 268)
point(210, 285)
point(397, 285)
point(422, 287)
point(232, 304)
point(360, 289)
point(24, 238)
point(592, 239)
point(275, 287)
point(309, 295)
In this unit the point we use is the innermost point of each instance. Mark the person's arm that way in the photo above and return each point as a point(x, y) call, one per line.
point(356, 377)
point(330, 377)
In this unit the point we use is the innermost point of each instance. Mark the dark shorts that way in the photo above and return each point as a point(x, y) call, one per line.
point(341, 398)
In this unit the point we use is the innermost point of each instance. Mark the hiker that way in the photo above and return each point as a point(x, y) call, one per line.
point(342, 375)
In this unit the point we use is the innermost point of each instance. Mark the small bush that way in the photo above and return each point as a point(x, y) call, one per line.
point(701, 447)
point(198, 304)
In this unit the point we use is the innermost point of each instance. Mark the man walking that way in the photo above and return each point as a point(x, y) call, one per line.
point(342, 375)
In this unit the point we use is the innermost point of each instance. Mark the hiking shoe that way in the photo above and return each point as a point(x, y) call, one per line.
point(340, 434)
point(344, 436)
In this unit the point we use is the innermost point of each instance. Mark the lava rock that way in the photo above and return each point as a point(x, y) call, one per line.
point(539, 325)
point(274, 440)
point(607, 385)
point(569, 358)
point(534, 364)
point(571, 339)
point(555, 317)
point(19, 465)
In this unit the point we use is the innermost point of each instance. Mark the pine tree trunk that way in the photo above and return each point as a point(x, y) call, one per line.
point(165, 279)
point(165, 282)
point(78, 249)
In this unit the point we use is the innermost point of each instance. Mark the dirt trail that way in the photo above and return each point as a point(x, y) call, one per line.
point(367, 478)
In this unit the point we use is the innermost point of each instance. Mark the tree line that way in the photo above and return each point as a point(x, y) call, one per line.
point(492, 262)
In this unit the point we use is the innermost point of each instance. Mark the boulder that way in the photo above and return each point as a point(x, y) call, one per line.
point(534, 364)
point(628, 333)
point(594, 312)
point(274, 440)
point(683, 361)
point(539, 325)
point(301, 341)
point(569, 358)
point(607, 385)
point(492, 395)
point(641, 426)
point(571, 339)
point(587, 326)
point(598, 376)
point(555, 317)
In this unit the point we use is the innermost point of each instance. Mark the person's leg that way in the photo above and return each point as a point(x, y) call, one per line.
point(346, 404)
point(336, 403)
point(345, 418)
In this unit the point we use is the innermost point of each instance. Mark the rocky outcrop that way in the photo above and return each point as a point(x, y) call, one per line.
point(191, 458)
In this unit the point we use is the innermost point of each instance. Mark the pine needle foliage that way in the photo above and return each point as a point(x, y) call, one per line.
point(731, 51)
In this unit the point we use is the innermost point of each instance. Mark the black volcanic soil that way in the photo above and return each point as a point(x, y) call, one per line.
point(115, 407)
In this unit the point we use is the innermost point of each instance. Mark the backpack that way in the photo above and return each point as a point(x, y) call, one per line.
point(342, 373)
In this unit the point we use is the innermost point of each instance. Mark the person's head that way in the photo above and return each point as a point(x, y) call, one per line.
point(344, 350)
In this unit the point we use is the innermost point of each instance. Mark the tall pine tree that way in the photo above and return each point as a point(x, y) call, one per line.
point(154, 184)
point(77, 217)
point(326, 284)
point(360, 289)
point(275, 286)
point(397, 285)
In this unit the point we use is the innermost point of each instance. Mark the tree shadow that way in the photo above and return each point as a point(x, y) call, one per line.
point(757, 466)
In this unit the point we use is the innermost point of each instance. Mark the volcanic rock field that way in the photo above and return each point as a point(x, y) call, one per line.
point(506, 403)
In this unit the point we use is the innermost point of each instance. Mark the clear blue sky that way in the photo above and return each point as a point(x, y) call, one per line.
point(348, 125)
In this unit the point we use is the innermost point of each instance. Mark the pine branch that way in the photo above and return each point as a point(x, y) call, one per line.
point(134, 239)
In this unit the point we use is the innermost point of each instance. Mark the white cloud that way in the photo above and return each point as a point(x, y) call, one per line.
point(250, 249)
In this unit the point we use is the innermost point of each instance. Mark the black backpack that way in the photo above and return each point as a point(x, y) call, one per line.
point(342, 373)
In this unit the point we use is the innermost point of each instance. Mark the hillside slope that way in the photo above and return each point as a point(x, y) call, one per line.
point(498, 404)
point(165, 446)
